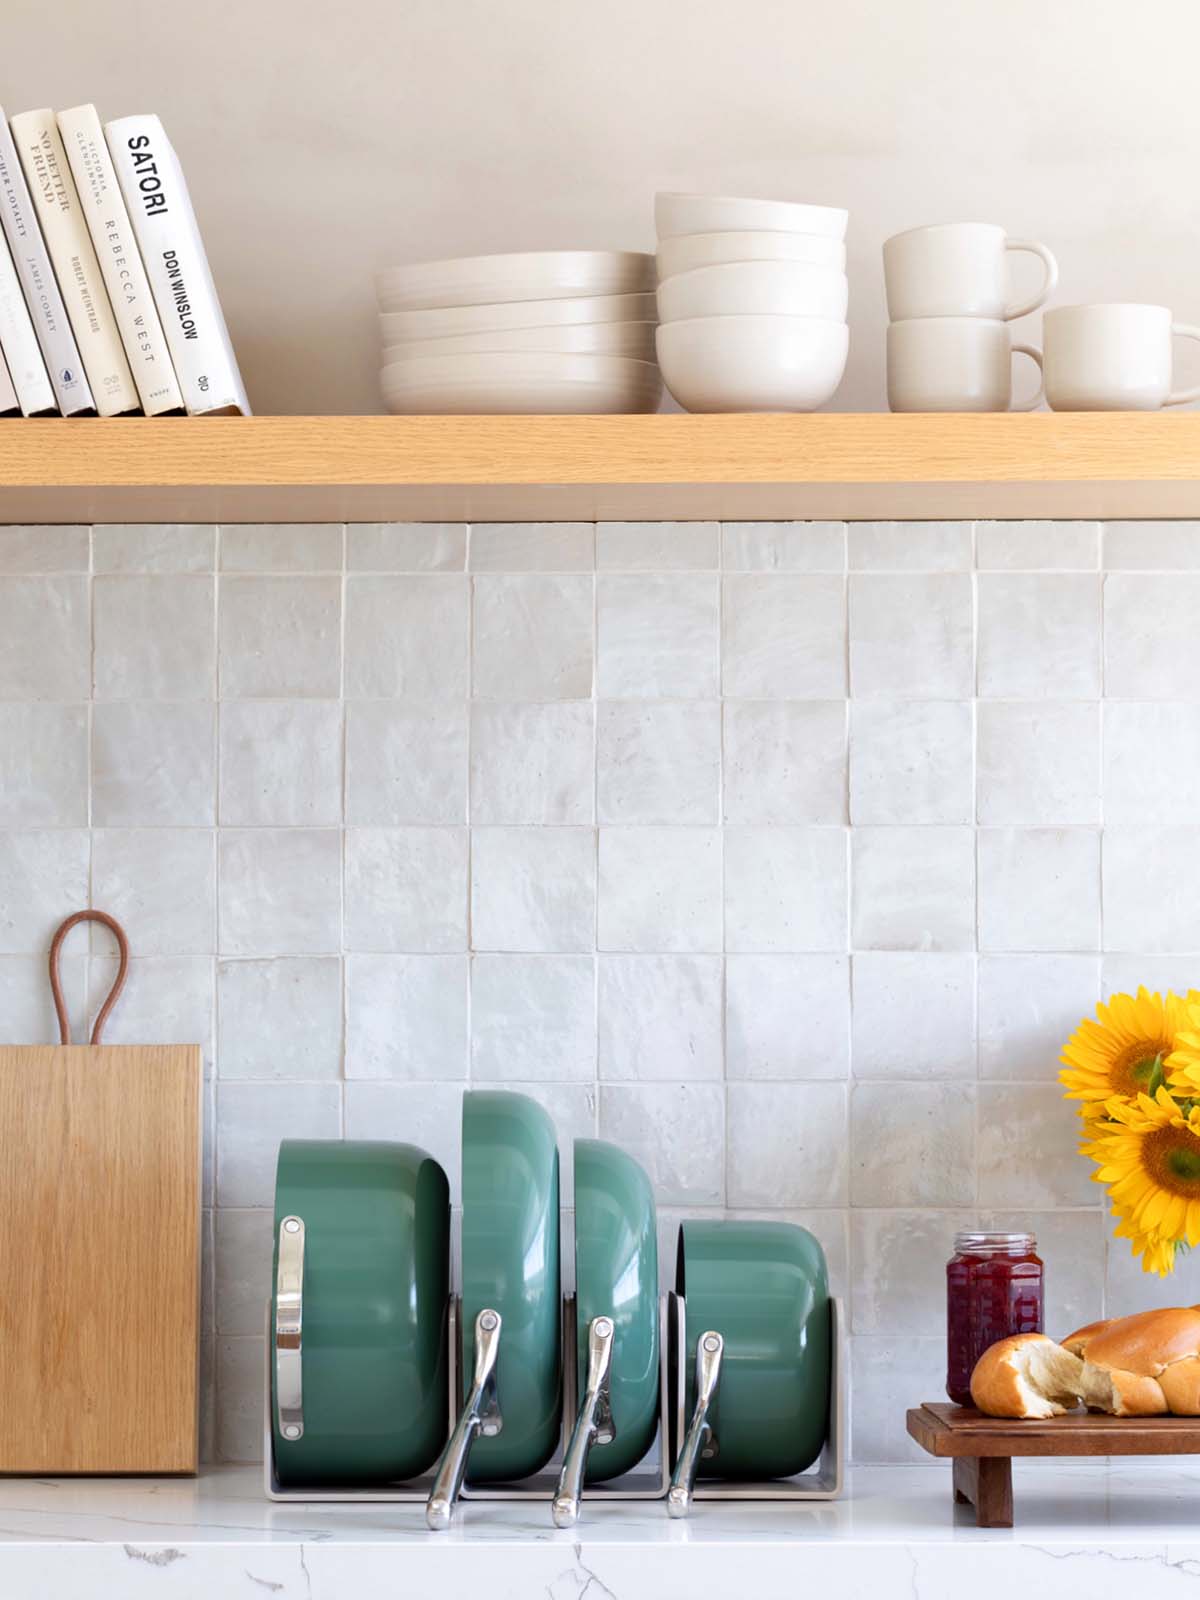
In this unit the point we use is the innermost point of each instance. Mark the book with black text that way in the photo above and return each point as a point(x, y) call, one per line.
point(64, 228)
point(120, 260)
point(22, 354)
point(38, 283)
point(164, 224)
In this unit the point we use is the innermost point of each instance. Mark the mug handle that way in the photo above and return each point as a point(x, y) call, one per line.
point(1179, 397)
point(1051, 281)
point(1035, 355)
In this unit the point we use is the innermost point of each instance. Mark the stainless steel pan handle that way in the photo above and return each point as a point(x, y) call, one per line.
point(593, 1425)
point(289, 1326)
point(481, 1414)
point(700, 1440)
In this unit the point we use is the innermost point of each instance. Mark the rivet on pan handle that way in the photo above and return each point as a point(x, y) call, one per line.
point(593, 1425)
point(289, 1319)
point(481, 1414)
point(700, 1441)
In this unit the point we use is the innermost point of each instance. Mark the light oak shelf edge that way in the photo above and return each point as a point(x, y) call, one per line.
point(671, 467)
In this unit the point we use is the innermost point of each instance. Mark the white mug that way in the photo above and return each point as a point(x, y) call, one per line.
point(1113, 358)
point(958, 269)
point(954, 364)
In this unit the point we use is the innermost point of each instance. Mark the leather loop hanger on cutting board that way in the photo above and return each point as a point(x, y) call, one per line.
point(64, 1022)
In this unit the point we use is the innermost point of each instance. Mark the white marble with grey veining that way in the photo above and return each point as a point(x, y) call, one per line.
point(1083, 1529)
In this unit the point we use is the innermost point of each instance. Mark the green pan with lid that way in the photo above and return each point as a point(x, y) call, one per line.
point(511, 1418)
point(616, 1320)
point(758, 1352)
point(359, 1359)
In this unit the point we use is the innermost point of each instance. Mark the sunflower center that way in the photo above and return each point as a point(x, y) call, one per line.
point(1133, 1068)
point(1172, 1158)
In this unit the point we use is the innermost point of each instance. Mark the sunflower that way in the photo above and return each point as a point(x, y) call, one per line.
point(1183, 1063)
point(1125, 1051)
point(1158, 1255)
point(1149, 1154)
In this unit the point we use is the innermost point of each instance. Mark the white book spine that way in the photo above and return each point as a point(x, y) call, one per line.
point(9, 404)
point(19, 343)
point(64, 229)
point(38, 283)
point(152, 182)
point(120, 260)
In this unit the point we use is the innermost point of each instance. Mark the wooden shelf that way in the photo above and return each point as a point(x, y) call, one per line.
point(487, 469)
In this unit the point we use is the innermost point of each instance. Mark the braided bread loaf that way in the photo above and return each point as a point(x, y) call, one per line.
point(1143, 1365)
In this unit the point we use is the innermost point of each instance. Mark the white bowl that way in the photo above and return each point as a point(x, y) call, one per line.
point(634, 339)
point(520, 381)
point(448, 321)
point(525, 275)
point(709, 213)
point(755, 289)
point(687, 251)
point(753, 363)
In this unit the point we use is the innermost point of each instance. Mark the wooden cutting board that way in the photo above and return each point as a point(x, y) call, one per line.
point(99, 1258)
point(982, 1448)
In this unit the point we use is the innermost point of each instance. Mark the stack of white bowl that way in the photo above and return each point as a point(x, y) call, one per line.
point(752, 298)
point(539, 331)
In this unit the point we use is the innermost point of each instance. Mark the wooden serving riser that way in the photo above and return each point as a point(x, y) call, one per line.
point(982, 1448)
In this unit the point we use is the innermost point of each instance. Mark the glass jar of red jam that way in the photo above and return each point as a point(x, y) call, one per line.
point(994, 1288)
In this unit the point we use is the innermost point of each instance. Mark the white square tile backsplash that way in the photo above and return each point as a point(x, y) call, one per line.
point(589, 811)
point(153, 638)
point(45, 641)
point(45, 764)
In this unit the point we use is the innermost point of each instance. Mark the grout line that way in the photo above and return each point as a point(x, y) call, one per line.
point(469, 1064)
point(722, 773)
point(597, 1078)
point(343, 962)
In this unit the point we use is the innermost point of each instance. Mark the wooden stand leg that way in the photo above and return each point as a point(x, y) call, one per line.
point(986, 1483)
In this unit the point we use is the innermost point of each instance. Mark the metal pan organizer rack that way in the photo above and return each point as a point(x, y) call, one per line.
point(649, 1481)
point(824, 1480)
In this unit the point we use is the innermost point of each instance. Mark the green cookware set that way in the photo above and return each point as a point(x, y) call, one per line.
point(381, 1376)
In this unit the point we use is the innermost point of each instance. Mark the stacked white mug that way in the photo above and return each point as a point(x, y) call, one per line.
point(949, 347)
point(1115, 357)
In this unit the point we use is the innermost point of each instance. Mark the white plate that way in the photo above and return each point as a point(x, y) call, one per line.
point(396, 327)
point(753, 363)
point(688, 251)
point(525, 275)
point(634, 339)
point(755, 289)
point(525, 382)
point(711, 213)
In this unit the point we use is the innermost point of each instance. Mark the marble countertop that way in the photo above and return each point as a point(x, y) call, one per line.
point(1081, 1529)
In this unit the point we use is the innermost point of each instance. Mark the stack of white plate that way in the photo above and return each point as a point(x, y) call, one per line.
point(752, 298)
point(539, 331)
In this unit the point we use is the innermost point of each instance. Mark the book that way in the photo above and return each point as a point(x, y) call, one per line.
point(9, 404)
point(18, 342)
point(40, 147)
point(164, 224)
point(120, 260)
point(38, 283)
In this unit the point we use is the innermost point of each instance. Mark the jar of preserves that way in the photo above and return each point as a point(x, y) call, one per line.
point(994, 1288)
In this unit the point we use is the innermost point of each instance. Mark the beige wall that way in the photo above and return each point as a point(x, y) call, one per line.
point(324, 140)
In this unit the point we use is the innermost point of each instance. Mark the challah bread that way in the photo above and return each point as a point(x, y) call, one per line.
point(1078, 1341)
point(1026, 1376)
point(1146, 1364)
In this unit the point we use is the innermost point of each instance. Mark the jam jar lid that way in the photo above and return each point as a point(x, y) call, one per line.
point(983, 1240)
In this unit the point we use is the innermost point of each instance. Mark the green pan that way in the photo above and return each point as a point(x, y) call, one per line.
point(511, 1308)
point(757, 1308)
point(616, 1320)
point(359, 1312)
